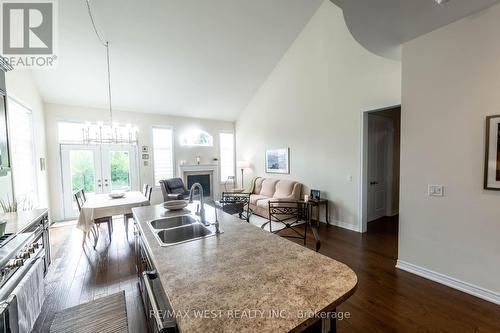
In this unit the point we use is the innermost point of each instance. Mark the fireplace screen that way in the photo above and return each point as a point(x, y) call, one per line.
point(204, 180)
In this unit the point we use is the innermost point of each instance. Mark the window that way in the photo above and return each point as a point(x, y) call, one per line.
point(197, 138)
point(162, 154)
point(22, 153)
point(226, 155)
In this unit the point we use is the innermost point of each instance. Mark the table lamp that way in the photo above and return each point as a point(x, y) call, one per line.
point(243, 165)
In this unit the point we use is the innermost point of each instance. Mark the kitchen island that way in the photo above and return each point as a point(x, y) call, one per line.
point(243, 280)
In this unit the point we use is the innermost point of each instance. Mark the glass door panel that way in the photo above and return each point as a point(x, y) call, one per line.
point(119, 162)
point(81, 169)
point(119, 168)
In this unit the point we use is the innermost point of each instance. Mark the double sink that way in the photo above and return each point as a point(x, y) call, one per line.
point(179, 229)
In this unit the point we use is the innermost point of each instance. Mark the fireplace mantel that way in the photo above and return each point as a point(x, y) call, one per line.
point(197, 169)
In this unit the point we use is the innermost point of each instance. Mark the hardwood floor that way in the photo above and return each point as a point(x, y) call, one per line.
point(391, 300)
point(77, 276)
point(387, 300)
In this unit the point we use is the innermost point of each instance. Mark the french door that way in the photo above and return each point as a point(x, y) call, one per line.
point(96, 169)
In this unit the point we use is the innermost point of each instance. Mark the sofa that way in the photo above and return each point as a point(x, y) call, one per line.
point(266, 189)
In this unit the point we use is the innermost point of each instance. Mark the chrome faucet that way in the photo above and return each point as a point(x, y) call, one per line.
point(202, 207)
point(201, 212)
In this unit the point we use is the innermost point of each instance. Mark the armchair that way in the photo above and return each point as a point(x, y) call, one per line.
point(173, 189)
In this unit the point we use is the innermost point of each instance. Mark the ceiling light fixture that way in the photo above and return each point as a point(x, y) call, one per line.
point(114, 133)
point(104, 43)
point(441, 2)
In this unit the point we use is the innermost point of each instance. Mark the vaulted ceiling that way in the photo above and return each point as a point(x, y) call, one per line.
point(196, 58)
point(207, 58)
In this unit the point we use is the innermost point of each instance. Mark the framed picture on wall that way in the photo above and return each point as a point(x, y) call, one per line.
point(492, 152)
point(278, 160)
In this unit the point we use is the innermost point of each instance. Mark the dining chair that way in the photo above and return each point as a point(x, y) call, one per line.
point(147, 191)
point(80, 199)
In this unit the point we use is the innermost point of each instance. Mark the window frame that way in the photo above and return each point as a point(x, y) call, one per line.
point(181, 136)
point(152, 155)
point(220, 155)
point(10, 99)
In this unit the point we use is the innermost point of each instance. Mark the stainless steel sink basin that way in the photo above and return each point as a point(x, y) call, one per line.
point(173, 222)
point(183, 234)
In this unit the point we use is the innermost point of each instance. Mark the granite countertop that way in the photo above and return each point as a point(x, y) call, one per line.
point(249, 279)
point(18, 222)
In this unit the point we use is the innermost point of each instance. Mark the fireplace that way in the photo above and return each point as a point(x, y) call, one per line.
point(204, 180)
point(205, 174)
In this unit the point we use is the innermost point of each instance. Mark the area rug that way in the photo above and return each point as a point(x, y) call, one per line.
point(104, 315)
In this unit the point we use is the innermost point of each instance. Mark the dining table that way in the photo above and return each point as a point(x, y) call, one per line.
point(104, 205)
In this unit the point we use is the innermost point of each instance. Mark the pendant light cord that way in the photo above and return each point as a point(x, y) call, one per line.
point(104, 43)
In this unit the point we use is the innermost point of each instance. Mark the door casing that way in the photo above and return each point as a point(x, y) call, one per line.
point(102, 171)
point(363, 184)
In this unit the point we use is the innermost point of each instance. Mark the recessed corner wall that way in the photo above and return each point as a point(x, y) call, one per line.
point(451, 82)
point(312, 103)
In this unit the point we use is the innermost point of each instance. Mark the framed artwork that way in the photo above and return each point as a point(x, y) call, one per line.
point(315, 194)
point(492, 154)
point(278, 161)
point(145, 156)
point(145, 149)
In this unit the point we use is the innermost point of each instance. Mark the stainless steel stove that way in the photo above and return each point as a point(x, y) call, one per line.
point(15, 251)
point(19, 254)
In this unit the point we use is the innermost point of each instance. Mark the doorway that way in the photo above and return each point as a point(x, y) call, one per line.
point(381, 156)
point(96, 169)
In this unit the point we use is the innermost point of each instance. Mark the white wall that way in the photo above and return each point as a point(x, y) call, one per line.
point(312, 103)
point(144, 122)
point(21, 86)
point(451, 82)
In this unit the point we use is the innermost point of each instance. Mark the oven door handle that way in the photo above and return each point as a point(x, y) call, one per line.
point(164, 325)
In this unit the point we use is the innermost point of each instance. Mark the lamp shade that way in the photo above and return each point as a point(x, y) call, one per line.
point(243, 164)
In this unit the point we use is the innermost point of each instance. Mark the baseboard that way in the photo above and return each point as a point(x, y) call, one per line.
point(344, 225)
point(394, 213)
point(465, 287)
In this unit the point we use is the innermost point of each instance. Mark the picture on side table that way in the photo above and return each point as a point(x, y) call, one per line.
point(278, 161)
point(492, 152)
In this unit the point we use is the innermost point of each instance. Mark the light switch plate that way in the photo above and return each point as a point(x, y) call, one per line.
point(436, 190)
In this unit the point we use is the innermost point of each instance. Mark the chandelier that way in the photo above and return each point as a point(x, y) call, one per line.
point(111, 132)
point(101, 133)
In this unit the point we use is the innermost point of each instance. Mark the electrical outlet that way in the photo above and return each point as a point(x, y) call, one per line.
point(436, 190)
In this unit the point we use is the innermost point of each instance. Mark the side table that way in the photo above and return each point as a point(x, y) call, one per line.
point(313, 203)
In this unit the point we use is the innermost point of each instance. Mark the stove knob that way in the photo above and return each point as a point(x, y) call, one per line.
point(31, 249)
point(18, 262)
point(35, 246)
point(24, 255)
point(11, 264)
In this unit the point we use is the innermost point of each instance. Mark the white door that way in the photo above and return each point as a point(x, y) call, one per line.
point(378, 139)
point(97, 169)
point(119, 168)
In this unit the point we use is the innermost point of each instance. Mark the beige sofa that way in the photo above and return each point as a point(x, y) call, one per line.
point(267, 189)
